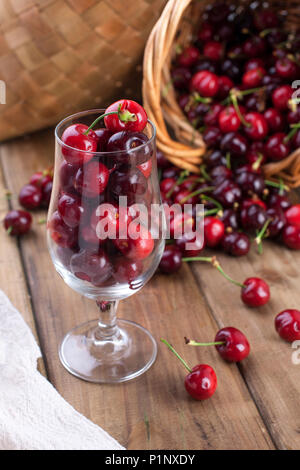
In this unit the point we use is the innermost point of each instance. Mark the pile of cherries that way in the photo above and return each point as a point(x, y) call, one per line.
point(96, 168)
point(34, 195)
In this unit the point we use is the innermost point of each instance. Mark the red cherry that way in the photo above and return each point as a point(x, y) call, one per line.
point(180, 224)
point(258, 128)
point(254, 46)
point(225, 85)
point(249, 202)
point(91, 267)
point(292, 215)
point(277, 147)
point(17, 222)
point(211, 117)
point(213, 50)
point(190, 238)
point(291, 237)
point(274, 120)
point(129, 116)
point(146, 168)
point(136, 248)
point(70, 210)
point(92, 179)
point(236, 244)
point(206, 32)
point(236, 347)
point(281, 97)
point(287, 324)
point(171, 260)
point(201, 382)
point(30, 197)
point(229, 120)
point(253, 77)
point(62, 234)
point(74, 138)
point(213, 231)
point(286, 68)
point(67, 175)
point(113, 220)
point(189, 56)
point(126, 270)
point(256, 292)
point(206, 83)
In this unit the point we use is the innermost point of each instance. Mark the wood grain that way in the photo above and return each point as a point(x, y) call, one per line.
point(154, 410)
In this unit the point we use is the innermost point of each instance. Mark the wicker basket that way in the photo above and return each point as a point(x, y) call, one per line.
point(60, 56)
point(175, 28)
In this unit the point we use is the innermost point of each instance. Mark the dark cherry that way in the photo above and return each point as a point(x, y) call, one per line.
point(92, 179)
point(277, 147)
point(201, 382)
point(128, 181)
point(17, 222)
point(291, 237)
point(126, 142)
point(213, 50)
point(126, 270)
point(212, 136)
point(225, 85)
point(215, 158)
point(228, 193)
point(62, 235)
point(190, 238)
point(171, 259)
point(181, 77)
point(225, 32)
point(218, 13)
point(287, 325)
point(250, 183)
point(206, 64)
point(253, 64)
point(256, 292)
point(236, 243)
point(286, 68)
point(236, 347)
point(46, 193)
point(278, 221)
point(232, 68)
point(255, 102)
point(171, 172)
point(275, 120)
point(67, 175)
point(254, 46)
point(253, 218)
point(30, 197)
point(212, 117)
point(265, 19)
point(293, 117)
point(220, 173)
point(103, 137)
point(70, 209)
point(279, 201)
point(213, 231)
point(181, 223)
point(230, 219)
point(162, 161)
point(206, 32)
point(91, 267)
point(296, 140)
point(235, 143)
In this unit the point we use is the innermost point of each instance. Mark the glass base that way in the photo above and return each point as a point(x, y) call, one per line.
point(118, 358)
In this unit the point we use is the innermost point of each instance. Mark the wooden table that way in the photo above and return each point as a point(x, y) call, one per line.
point(256, 405)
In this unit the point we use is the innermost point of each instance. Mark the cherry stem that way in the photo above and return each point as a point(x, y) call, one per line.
point(261, 234)
point(240, 93)
point(9, 230)
point(292, 132)
point(216, 203)
point(215, 263)
point(179, 180)
point(279, 185)
point(176, 354)
point(195, 193)
point(228, 160)
point(99, 119)
point(234, 100)
point(257, 163)
point(191, 342)
point(204, 173)
point(200, 99)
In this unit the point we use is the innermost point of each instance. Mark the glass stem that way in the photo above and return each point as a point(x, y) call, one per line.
point(107, 324)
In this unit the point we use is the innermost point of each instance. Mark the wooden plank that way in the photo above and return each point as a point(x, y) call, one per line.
point(12, 277)
point(153, 411)
point(272, 378)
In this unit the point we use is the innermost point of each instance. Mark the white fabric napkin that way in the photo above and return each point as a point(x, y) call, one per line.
point(33, 416)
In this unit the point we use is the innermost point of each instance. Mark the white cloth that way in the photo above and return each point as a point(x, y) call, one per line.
point(33, 416)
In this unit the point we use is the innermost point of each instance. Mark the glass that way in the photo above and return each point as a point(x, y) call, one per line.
point(95, 263)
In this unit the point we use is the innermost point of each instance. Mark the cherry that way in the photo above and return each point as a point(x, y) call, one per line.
point(75, 137)
point(88, 237)
point(236, 244)
point(67, 175)
point(230, 219)
point(258, 128)
point(296, 140)
point(220, 173)
point(225, 85)
point(235, 347)
point(277, 147)
point(254, 63)
point(265, 19)
point(184, 196)
point(254, 46)
point(212, 136)
point(253, 77)
point(146, 168)
point(201, 381)
point(103, 136)
point(286, 68)
point(215, 158)
point(126, 270)
point(278, 221)
point(291, 237)
point(275, 119)
point(128, 181)
point(129, 143)
point(226, 32)
point(206, 64)
point(138, 247)
point(251, 183)
point(17, 222)
point(30, 196)
point(205, 82)
point(206, 32)
point(64, 255)
point(292, 215)
point(255, 292)
point(171, 259)
point(270, 83)
point(218, 13)
point(213, 50)
point(293, 117)
point(167, 184)
point(235, 143)
point(213, 231)
point(232, 68)
point(92, 179)
point(287, 325)
point(279, 201)
point(46, 193)
point(188, 56)
point(171, 172)
point(253, 218)
point(212, 117)
point(70, 210)
point(128, 115)
point(40, 179)
point(110, 220)
point(229, 120)
point(181, 77)
point(62, 235)
point(228, 193)
point(281, 97)
point(181, 223)
point(161, 160)
point(249, 202)
point(91, 267)
point(190, 238)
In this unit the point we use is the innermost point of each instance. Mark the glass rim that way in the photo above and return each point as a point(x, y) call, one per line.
point(118, 152)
